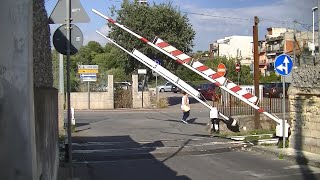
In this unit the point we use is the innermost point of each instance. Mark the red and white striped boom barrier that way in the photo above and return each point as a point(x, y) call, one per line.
point(172, 78)
point(200, 69)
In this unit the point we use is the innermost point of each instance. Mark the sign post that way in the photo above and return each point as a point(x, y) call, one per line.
point(144, 72)
point(283, 66)
point(238, 70)
point(88, 73)
point(156, 74)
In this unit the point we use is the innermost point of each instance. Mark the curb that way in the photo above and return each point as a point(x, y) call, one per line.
point(298, 156)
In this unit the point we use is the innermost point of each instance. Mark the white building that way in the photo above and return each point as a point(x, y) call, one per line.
point(238, 47)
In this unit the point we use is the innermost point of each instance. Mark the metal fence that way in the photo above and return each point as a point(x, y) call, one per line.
point(232, 106)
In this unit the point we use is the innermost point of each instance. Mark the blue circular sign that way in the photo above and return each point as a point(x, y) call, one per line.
point(157, 61)
point(283, 65)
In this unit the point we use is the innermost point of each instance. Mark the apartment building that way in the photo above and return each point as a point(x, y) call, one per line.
point(238, 47)
point(263, 60)
point(281, 40)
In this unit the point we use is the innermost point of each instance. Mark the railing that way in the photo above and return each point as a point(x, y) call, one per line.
point(232, 106)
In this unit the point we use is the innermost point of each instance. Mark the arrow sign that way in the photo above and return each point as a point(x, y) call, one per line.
point(283, 65)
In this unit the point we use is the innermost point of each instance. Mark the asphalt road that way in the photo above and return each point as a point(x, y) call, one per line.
point(154, 144)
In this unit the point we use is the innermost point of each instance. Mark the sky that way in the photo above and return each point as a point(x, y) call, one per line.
point(211, 19)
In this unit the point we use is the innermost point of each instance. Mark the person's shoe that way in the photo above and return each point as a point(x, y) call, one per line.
point(184, 121)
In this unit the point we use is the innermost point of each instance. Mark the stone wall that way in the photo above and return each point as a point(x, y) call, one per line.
point(98, 100)
point(304, 97)
point(305, 119)
point(247, 123)
point(46, 130)
point(42, 60)
point(137, 96)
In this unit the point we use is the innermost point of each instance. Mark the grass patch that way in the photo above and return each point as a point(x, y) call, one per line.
point(280, 143)
point(281, 156)
point(266, 144)
point(251, 132)
point(252, 139)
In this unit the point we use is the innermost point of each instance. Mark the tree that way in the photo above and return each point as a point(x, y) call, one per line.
point(162, 20)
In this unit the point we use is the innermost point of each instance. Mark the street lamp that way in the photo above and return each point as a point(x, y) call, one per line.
point(313, 43)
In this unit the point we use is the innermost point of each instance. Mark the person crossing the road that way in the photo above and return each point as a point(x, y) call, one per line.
point(185, 107)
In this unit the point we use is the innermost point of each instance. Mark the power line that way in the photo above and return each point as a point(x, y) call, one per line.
point(246, 19)
point(216, 16)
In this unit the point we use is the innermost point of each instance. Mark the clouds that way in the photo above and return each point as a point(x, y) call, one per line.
point(272, 13)
point(93, 36)
point(280, 13)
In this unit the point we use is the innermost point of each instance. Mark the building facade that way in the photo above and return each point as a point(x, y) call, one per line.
point(237, 47)
point(294, 44)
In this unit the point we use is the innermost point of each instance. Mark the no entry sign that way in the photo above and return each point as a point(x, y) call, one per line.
point(237, 67)
point(221, 69)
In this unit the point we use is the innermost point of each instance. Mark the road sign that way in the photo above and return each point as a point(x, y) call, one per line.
point(221, 69)
point(87, 71)
point(88, 67)
point(237, 67)
point(142, 71)
point(283, 65)
point(60, 39)
point(88, 77)
point(157, 61)
point(78, 14)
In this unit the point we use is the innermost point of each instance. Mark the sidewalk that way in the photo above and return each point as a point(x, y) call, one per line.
point(301, 157)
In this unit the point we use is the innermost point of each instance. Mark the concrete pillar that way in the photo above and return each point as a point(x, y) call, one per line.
point(136, 99)
point(17, 124)
point(111, 90)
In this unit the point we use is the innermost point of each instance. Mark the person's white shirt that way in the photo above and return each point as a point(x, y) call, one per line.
point(184, 101)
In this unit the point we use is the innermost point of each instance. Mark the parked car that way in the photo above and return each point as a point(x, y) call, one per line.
point(124, 85)
point(275, 90)
point(208, 90)
point(140, 86)
point(176, 89)
point(165, 88)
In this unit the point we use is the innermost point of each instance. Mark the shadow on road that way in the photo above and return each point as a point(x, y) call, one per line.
point(117, 158)
point(190, 121)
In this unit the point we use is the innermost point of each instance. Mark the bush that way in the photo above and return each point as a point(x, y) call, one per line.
point(122, 98)
point(163, 103)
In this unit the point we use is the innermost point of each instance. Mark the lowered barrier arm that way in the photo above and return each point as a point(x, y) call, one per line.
point(230, 122)
point(208, 74)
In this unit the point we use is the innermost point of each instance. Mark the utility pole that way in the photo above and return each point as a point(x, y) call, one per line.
point(61, 81)
point(69, 147)
point(256, 69)
point(318, 33)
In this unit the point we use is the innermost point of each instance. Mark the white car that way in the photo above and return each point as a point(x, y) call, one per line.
point(165, 88)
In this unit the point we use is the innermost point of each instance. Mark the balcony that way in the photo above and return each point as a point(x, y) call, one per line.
point(275, 48)
point(270, 38)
